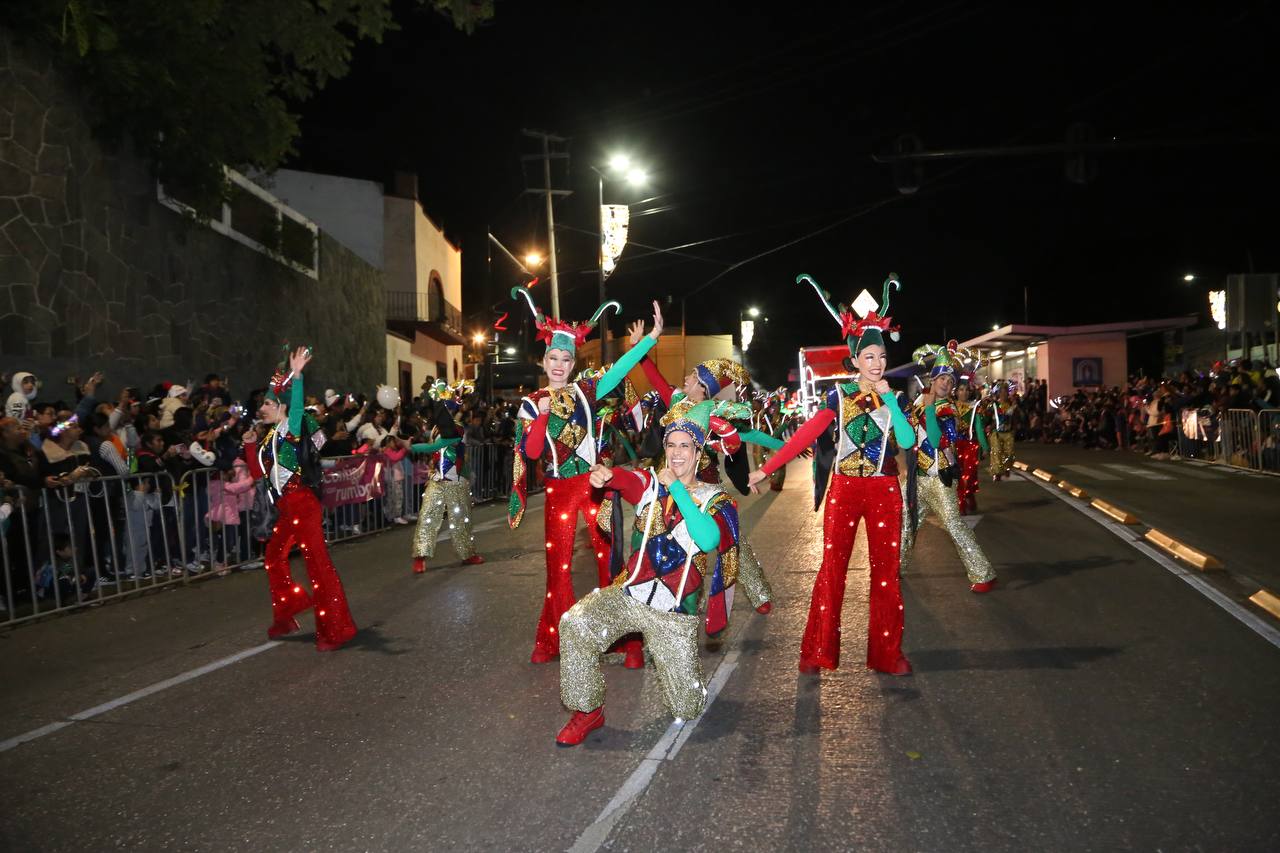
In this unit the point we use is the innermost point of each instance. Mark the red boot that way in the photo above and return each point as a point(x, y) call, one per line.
point(635, 655)
point(765, 609)
point(985, 586)
point(280, 629)
point(540, 656)
point(581, 724)
point(902, 667)
point(473, 560)
point(419, 565)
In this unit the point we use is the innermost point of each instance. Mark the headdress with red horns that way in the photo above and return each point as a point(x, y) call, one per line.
point(557, 334)
point(860, 325)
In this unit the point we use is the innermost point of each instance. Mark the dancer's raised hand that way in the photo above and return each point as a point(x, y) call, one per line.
point(637, 331)
point(657, 321)
point(298, 360)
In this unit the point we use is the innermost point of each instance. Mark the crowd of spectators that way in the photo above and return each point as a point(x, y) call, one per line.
point(1144, 415)
point(88, 480)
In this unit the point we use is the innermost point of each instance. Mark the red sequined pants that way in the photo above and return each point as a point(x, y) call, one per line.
point(848, 500)
point(299, 524)
point(565, 499)
point(967, 488)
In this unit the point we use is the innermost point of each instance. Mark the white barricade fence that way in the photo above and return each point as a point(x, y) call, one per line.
point(1241, 443)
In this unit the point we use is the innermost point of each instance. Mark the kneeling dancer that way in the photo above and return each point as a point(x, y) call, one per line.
point(685, 531)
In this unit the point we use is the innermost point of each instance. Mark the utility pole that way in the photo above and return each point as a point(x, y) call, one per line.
point(546, 190)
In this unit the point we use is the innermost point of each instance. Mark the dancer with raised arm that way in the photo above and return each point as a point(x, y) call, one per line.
point(717, 379)
point(684, 534)
point(556, 427)
point(447, 496)
point(289, 458)
point(938, 467)
point(864, 485)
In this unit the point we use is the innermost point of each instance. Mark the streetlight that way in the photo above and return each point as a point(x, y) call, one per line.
point(479, 338)
point(533, 259)
point(1188, 277)
point(510, 350)
point(753, 311)
point(619, 164)
point(995, 327)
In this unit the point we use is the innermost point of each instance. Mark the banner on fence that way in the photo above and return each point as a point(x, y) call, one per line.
point(351, 480)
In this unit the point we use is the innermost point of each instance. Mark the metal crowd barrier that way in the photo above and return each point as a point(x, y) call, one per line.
point(82, 544)
point(1269, 433)
point(100, 539)
point(1241, 439)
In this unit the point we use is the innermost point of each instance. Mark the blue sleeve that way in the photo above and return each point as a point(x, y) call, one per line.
point(949, 429)
point(626, 362)
point(902, 429)
point(702, 526)
point(297, 400)
point(931, 428)
point(755, 436)
point(438, 444)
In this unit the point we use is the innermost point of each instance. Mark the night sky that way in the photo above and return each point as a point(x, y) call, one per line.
point(758, 129)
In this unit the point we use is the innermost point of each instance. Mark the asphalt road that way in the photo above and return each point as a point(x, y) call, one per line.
point(1093, 701)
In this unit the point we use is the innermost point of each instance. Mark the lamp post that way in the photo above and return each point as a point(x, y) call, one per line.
point(619, 164)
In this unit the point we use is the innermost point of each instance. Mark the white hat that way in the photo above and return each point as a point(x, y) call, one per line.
point(330, 396)
point(177, 390)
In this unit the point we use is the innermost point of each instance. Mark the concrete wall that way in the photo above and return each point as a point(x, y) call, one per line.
point(349, 210)
point(96, 274)
point(422, 353)
point(1055, 356)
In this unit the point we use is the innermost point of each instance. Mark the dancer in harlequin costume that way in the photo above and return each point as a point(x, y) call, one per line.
point(938, 468)
point(999, 411)
point(768, 420)
point(557, 427)
point(289, 458)
point(447, 495)
point(716, 379)
point(685, 535)
point(864, 485)
point(972, 437)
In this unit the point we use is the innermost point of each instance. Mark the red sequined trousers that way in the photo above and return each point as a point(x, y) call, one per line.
point(299, 524)
point(967, 488)
point(567, 498)
point(848, 500)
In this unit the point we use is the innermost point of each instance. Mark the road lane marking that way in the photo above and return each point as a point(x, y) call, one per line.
point(120, 702)
point(1090, 471)
point(1252, 621)
point(1186, 470)
point(1137, 472)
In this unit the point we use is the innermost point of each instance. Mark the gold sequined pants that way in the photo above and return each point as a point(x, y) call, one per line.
point(751, 575)
point(592, 625)
point(1001, 453)
point(445, 500)
point(933, 497)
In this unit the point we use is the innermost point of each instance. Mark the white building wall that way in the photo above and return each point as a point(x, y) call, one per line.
point(347, 209)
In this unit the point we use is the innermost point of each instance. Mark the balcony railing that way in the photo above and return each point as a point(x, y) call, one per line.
point(410, 309)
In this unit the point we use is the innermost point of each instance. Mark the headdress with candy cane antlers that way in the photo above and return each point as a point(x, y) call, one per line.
point(557, 334)
point(451, 395)
point(860, 325)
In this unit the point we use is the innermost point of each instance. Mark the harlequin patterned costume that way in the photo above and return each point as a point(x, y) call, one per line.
point(617, 411)
point(972, 436)
point(683, 537)
point(715, 375)
point(447, 496)
point(289, 459)
point(863, 485)
point(564, 441)
point(937, 469)
point(999, 417)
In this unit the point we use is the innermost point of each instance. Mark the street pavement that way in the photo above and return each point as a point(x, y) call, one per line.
point(1093, 701)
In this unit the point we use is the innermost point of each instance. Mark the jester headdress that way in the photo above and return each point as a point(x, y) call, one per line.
point(557, 334)
point(702, 425)
point(860, 325)
point(716, 374)
point(451, 396)
point(281, 378)
point(948, 360)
